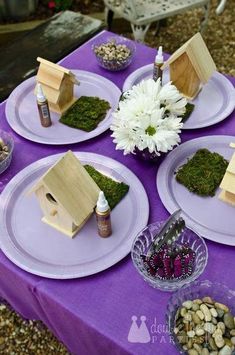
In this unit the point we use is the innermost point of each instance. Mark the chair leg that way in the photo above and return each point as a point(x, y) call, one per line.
point(139, 31)
point(109, 18)
point(205, 17)
point(220, 8)
point(157, 28)
point(159, 24)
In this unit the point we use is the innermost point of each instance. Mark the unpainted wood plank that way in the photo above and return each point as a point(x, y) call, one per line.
point(184, 76)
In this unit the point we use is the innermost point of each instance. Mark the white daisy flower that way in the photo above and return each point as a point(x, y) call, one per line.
point(172, 100)
point(148, 118)
point(148, 88)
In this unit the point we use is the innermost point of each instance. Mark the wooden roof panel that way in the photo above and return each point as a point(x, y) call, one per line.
point(52, 74)
point(71, 186)
point(231, 165)
point(228, 182)
point(199, 56)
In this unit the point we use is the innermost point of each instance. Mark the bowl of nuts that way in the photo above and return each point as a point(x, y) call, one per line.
point(6, 149)
point(200, 318)
point(115, 53)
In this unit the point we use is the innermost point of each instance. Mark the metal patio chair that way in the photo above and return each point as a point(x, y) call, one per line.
point(141, 13)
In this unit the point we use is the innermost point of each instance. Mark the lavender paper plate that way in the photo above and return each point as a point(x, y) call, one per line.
point(41, 250)
point(22, 113)
point(213, 104)
point(208, 216)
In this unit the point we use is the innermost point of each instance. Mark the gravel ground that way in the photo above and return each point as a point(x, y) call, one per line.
point(219, 34)
point(20, 337)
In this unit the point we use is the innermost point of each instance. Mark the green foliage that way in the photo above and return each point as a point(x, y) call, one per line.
point(62, 5)
point(202, 173)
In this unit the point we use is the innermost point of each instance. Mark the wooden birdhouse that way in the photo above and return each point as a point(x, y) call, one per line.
point(228, 183)
point(57, 84)
point(191, 66)
point(67, 195)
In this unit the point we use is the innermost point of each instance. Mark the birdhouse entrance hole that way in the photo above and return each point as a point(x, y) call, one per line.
point(51, 198)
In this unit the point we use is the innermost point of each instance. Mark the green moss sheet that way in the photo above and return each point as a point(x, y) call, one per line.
point(114, 191)
point(86, 113)
point(202, 173)
point(189, 109)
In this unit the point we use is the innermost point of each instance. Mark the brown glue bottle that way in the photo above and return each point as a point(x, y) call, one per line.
point(43, 107)
point(157, 71)
point(103, 218)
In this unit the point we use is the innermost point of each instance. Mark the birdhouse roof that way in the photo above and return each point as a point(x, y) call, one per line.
point(71, 186)
point(52, 74)
point(199, 56)
point(228, 181)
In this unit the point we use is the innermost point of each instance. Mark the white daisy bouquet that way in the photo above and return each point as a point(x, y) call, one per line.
point(149, 117)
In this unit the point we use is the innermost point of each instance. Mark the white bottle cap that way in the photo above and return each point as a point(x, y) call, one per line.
point(40, 95)
point(159, 57)
point(102, 203)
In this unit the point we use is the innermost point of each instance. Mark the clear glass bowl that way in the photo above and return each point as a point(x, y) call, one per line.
point(198, 289)
point(8, 140)
point(142, 243)
point(115, 65)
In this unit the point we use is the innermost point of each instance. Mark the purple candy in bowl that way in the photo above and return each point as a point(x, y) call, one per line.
point(201, 316)
point(6, 149)
point(115, 53)
point(171, 267)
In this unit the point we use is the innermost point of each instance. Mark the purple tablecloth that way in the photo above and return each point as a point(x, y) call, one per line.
point(93, 315)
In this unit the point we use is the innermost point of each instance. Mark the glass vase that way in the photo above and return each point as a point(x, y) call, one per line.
point(145, 155)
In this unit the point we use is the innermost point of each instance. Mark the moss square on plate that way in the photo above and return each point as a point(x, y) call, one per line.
point(86, 113)
point(202, 173)
point(114, 191)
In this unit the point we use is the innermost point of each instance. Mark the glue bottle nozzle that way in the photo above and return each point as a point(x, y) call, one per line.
point(40, 94)
point(159, 57)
